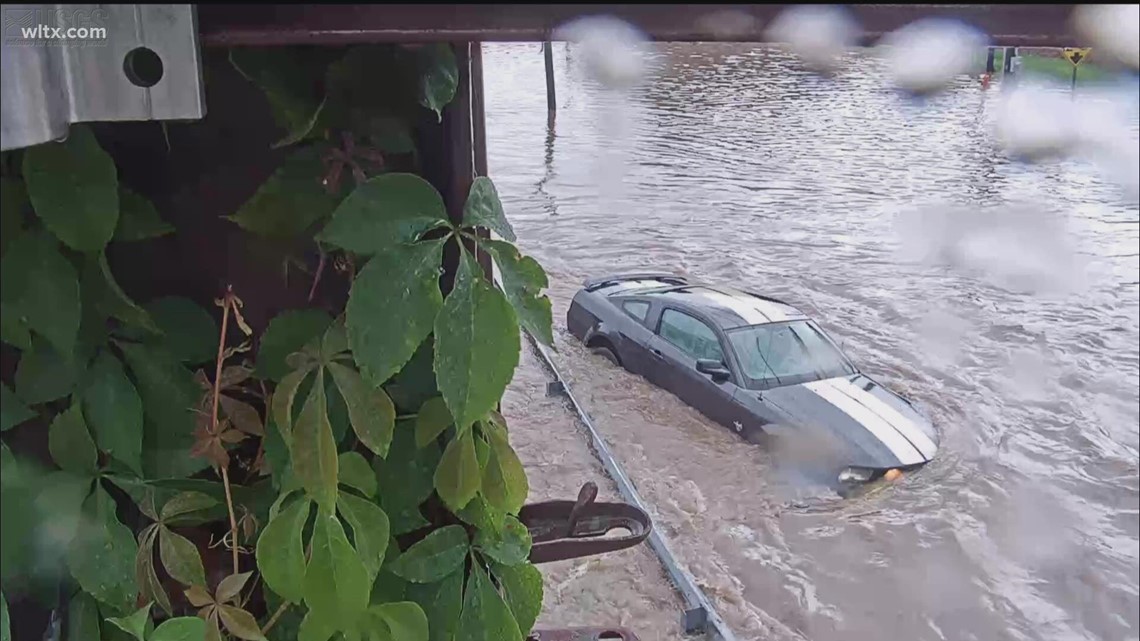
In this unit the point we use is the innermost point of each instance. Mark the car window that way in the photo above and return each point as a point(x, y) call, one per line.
point(691, 335)
point(636, 308)
point(786, 354)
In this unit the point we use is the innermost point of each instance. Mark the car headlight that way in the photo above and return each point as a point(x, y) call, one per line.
point(856, 475)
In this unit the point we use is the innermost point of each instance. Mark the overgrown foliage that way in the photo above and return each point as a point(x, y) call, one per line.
point(343, 474)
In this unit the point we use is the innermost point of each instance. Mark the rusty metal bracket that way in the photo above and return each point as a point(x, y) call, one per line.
point(572, 529)
point(583, 634)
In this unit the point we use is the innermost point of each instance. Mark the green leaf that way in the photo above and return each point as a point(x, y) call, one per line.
point(485, 615)
point(114, 410)
point(135, 624)
point(405, 278)
point(405, 479)
point(56, 511)
point(146, 578)
point(284, 398)
point(509, 545)
point(476, 345)
point(70, 444)
point(484, 209)
point(371, 411)
point(439, 76)
point(291, 201)
point(74, 188)
point(369, 530)
point(442, 601)
point(523, 281)
point(504, 480)
point(13, 330)
point(189, 332)
point(82, 617)
point(457, 477)
point(169, 395)
point(316, 627)
point(405, 620)
point(290, 79)
point(314, 448)
point(522, 588)
point(180, 629)
point(280, 555)
point(432, 419)
point(102, 557)
point(336, 581)
point(43, 375)
point(414, 384)
point(13, 204)
point(388, 210)
point(482, 515)
point(287, 333)
point(355, 472)
point(138, 219)
point(388, 134)
point(184, 506)
point(50, 301)
point(101, 288)
point(12, 410)
point(180, 558)
point(433, 557)
point(240, 623)
point(229, 589)
point(5, 624)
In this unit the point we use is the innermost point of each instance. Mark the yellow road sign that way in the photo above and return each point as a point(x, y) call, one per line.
point(1076, 55)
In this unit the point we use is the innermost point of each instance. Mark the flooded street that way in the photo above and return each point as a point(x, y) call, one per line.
point(1022, 343)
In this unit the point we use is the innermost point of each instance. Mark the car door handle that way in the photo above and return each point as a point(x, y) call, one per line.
point(656, 353)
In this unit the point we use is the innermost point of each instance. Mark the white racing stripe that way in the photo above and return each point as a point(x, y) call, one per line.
point(904, 425)
point(743, 309)
point(884, 431)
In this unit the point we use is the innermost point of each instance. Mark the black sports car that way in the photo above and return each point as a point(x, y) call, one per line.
point(754, 364)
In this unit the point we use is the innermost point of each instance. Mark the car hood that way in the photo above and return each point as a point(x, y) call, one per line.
point(875, 427)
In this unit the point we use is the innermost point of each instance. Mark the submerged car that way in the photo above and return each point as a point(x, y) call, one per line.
point(756, 365)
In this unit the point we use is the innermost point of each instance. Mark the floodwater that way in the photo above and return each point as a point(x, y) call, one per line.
point(731, 164)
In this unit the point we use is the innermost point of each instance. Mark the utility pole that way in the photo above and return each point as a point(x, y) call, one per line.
point(551, 102)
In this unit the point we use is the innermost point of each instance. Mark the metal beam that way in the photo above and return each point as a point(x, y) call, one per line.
point(1041, 25)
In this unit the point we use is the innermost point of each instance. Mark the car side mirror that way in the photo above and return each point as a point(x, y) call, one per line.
point(715, 369)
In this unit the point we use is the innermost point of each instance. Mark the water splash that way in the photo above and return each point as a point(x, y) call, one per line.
point(1035, 124)
point(926, 55)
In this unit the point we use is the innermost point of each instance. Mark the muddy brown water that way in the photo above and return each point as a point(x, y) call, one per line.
point(731, 164)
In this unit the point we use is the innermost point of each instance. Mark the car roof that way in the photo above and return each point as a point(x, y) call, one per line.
point(728, 308)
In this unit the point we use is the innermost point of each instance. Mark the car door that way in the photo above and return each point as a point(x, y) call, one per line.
point(681, 339)
point(635, 336)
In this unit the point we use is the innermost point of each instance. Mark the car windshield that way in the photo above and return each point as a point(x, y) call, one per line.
point(787, 353)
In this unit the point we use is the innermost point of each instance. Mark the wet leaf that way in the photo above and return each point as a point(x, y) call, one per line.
point(242, 415)
point(169, 394)
point(50, 301)
point(482, 515)
point(439, 76)
point(405, 278)
point(183, 505)
point(180, 629)
point(510, 545)
point(287, 333)
point(102, 561)
point(336, 581)
point(114, 410)
point(189, 331)
point(414, 384)
point(82, 617)
point(13, 330)
point(100, 287)
point(457, 477)
point(135, 624)
point(369, 530)
point(145, 577)
point(240, 623)
point(229, 589)
point(12, 410)
point(74, 188)
point(280, 555)
point(386, 211)
point(432, 419)
point(504, 480)
point(180, 557)
point(314, 449)
point(13, 205)
point(485, 615)
point(284, 397)
point(523, 281)
point(138, 219)
point(371, 411)
point(70, 443)
point(484, 209)
point(434, 557)
point(476, 345)
point(355, 472)
point(291, 201)
point(43, 375)
point(442, 601)
point(405, 620)
point(522, 589)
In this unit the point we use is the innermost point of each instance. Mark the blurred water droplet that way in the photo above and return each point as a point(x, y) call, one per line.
point(818, 34)
point(926, 55)
point(727, 24)
point(1113, 29)
point(612, 50)
point(1035, 124)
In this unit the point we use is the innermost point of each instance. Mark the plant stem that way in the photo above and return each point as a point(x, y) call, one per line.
point(273, 619)
point(320, 271)
point(227, 301)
